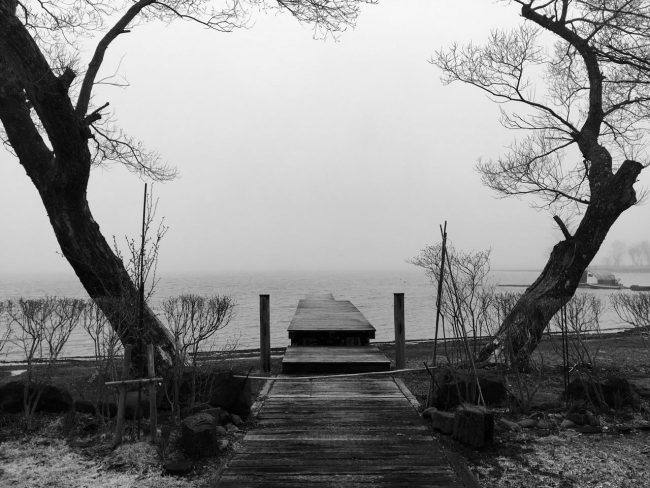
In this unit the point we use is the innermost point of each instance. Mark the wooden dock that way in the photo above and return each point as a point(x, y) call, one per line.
point(351, 432)
point(331, 336)
point(321, 320)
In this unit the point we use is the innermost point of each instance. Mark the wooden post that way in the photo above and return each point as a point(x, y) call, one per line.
point(153, 411)
point(121, 405)
point(399, 331)
point(265, 333)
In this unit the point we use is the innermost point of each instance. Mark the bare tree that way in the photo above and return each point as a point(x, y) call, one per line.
point(584, 104)
point(58, 132)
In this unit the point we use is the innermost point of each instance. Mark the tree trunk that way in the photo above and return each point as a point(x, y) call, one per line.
point(60, 173)
point(104, 277)
point(522, 329)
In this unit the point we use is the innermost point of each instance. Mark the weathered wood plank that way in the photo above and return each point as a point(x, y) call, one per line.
point(372, 437)
point(333, 359)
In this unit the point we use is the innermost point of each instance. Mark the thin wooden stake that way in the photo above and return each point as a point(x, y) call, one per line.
point(153, 411)
point(141, 308)
point(398, 312)
point(121, 405)
point(265, 333)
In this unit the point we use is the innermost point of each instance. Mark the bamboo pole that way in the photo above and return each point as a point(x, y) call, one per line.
point(121, 405)
point(153, 412)
point(443, 260)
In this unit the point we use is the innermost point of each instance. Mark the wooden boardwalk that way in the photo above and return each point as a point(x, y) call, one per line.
point(350, 432)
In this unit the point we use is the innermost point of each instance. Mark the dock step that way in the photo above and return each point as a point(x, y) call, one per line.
point(333, 360)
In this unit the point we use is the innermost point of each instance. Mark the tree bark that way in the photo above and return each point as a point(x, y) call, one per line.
point(522, 329)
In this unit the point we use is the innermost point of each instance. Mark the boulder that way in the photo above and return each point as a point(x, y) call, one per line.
point(220, 415)
point(178, 466)
point(527, 423)
point(198, 436)
point(567, 424)
point(53, 399)
point(510, 425)
point(450, 383)
point(233, 394)
point(614, 392)
point(236, 419)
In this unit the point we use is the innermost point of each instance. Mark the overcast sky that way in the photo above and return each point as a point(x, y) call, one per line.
point(299, 154)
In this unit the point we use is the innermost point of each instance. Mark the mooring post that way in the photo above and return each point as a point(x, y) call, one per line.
point(399, 331)
point(153, 411)
point(121, 405)
point(265, 333)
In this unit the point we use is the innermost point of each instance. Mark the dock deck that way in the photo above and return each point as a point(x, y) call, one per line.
point(331, 336)
point(351, 432)
point(322, 320)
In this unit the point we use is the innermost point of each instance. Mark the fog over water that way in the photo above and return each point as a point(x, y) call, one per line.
point(371, 292)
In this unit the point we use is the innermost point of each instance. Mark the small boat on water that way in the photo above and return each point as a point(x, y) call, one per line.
point(640, 287)
point(600, 281)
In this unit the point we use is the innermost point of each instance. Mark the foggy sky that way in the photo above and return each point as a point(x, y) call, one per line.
point(298, 154)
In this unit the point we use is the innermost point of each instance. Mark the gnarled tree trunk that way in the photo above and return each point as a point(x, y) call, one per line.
point(522, 329)
point(60, 175)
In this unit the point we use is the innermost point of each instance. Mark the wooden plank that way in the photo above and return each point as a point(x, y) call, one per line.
point(333, 359)
point(371, 438)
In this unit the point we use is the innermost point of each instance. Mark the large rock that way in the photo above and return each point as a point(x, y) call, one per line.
point(451, 383)
point(614, 392)
point(199, 436)
point(53, 399)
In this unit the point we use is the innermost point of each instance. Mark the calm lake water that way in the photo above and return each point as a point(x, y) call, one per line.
point(371, 292)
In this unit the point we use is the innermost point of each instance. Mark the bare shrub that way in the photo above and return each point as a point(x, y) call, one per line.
point(583, 330)
point(5, 324)
point(193, 321)
point(632, 308)
point(43, 327)
point(106, 347)
point(465, 301)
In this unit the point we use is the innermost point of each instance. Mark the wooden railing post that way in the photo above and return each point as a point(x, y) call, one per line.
point(399, 331)
point(265, 333)
point(153, 411)
point(121, 404)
